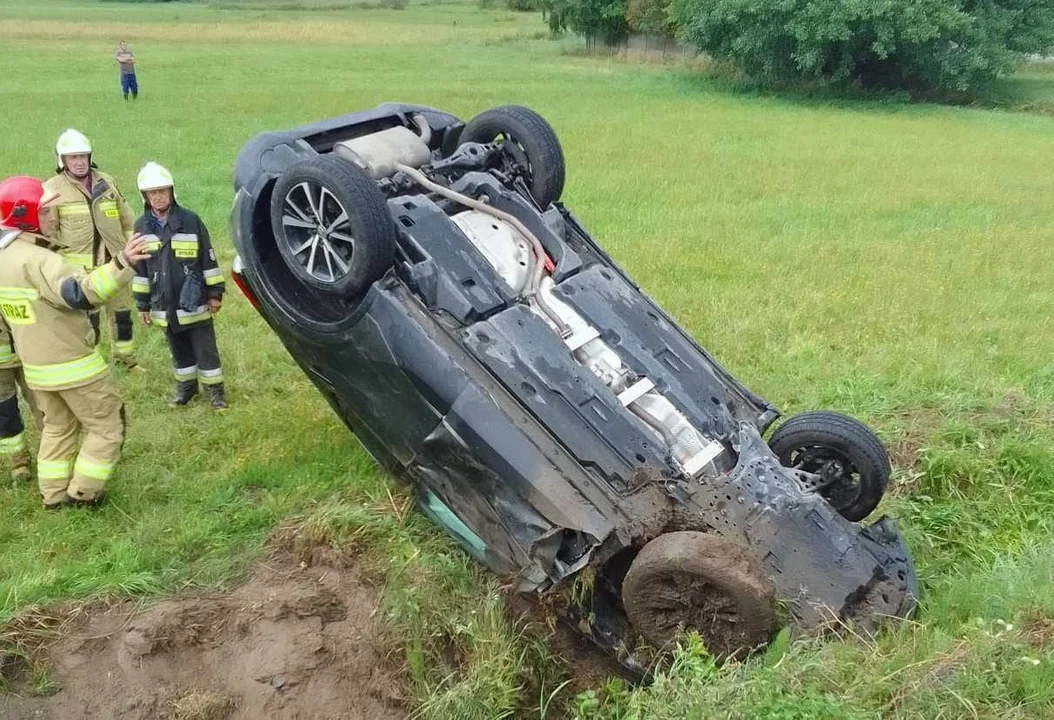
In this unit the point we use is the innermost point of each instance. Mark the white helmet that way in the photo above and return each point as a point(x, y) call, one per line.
point(72, 142)
point(154, 177)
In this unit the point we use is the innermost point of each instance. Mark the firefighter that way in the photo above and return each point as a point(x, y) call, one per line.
point(95, 221)
point(12, 430)
point(180, 287)
point(43, 300)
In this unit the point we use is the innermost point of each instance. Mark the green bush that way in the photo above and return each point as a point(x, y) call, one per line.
point(946, 45)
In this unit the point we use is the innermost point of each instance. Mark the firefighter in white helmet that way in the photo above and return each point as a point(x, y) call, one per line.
point(180, 287)
point(95, 222)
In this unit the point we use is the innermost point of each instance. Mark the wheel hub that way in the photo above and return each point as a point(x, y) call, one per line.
point(318, 231)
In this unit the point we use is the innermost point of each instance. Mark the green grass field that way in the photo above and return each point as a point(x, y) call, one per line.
point(893, 261)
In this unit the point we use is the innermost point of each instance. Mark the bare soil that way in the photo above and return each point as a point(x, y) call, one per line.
point(296, 641)
point(586, 665)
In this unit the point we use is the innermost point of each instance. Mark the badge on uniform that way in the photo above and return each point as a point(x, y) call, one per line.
point(18, 312)
point(109, 208)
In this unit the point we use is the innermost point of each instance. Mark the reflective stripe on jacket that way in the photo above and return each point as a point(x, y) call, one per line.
point(43, 300)
point(90, 228)
point(181, 254)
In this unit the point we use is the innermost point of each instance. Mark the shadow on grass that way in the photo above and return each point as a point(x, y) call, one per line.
point(1031, 90)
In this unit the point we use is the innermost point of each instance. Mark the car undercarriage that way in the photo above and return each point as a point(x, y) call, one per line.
point(560, 425)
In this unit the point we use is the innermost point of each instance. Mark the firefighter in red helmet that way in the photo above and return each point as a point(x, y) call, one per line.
point(13, 445)
point(45, 302)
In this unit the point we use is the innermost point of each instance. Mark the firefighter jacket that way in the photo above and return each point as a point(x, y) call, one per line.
point(93, 227)
point(8, 359)
point(43, 300)
point(181, 275)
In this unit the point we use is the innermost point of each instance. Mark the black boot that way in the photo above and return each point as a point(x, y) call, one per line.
point(185, 392)
point(70, 501)
point(216, 396)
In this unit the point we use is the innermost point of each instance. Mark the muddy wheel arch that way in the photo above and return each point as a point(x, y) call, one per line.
point(684, 581)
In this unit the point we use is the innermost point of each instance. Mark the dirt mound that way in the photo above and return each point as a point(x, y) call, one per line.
point(587, 665)
point(293, 642)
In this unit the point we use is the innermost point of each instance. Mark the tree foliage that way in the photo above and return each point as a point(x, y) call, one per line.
point(524, 5)
point(603, 20)
point(948, 45)
point(650, 17)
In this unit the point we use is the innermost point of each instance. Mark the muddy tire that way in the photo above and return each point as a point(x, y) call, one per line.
point(684, 581)
point(815, 441)
point(530, 140)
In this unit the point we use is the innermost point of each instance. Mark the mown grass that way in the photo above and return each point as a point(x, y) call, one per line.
point(249, 23)
point(885, 259)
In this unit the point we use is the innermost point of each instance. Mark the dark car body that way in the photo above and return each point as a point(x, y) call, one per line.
point(526, 458)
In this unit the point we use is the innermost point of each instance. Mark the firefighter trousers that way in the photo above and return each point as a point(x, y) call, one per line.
point(94, 411)
point(195, 355)
point(119, 318)
point(12, 429)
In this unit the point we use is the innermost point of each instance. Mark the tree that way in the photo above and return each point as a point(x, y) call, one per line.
point(948, 45)
point(603, 20)
point(524, 5)
point(650, 17)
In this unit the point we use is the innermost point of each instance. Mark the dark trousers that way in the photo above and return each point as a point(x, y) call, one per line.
point(129, 84)
point(12, 437)
point(121, 326)
point(194, 354)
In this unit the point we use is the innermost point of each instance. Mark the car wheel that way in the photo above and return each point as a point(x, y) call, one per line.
point(848, 460)
point(529, 141)
point(684, 581)
point(332, 226)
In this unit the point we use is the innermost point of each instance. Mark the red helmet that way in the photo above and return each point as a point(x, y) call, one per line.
point(21, 198)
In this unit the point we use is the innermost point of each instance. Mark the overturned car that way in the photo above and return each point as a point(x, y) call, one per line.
point(550, 416)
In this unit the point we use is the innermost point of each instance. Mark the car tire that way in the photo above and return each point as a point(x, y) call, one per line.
point(811, 440)
point(329, 199)
point(684, 581)
point(530, 140)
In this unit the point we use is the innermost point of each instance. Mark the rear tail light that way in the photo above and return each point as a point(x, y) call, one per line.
point(239, 280)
